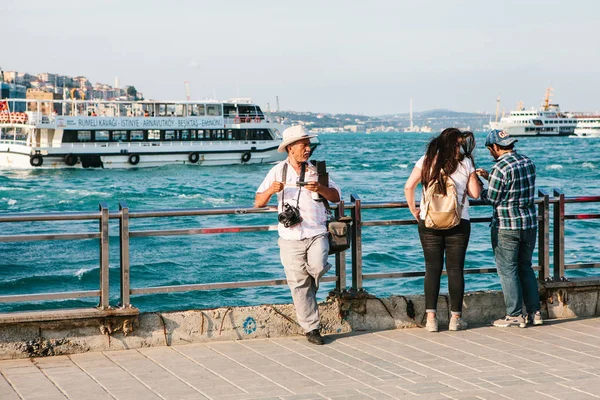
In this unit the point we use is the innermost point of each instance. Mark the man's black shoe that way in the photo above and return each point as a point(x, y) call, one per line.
point(315, 337)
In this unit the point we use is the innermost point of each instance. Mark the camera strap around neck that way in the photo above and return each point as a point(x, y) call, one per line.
point(284, 176)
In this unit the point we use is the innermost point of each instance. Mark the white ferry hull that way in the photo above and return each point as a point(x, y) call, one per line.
point(36, 140)
point(23, 161)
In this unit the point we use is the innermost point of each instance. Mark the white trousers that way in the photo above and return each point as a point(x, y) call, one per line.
point(305, 262)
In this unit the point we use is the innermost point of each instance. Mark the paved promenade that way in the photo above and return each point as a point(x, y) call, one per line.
point(560, 360)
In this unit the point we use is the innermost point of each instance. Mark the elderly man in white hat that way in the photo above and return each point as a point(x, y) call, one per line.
point(303, 240)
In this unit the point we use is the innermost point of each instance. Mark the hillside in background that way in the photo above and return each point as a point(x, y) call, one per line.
point(434, 120)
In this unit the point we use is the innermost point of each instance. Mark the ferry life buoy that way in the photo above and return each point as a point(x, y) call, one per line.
point(194, 157)
point(247, 120)
point(36, 160)
point(3, 117)
point(70, 159)
point(246, 157)
point(257, 120)
point(25, 118)
point(133, 159)
point(236, 120)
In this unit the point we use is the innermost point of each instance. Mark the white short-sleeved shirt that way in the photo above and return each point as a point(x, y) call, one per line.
point(461, 179)
point(313, 213)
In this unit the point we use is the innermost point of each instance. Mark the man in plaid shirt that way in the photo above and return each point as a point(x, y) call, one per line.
point(511, 192)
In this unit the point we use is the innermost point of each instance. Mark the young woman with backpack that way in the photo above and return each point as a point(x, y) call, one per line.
point(447, 175)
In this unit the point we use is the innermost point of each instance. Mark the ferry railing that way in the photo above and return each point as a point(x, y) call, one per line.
point(102, 216)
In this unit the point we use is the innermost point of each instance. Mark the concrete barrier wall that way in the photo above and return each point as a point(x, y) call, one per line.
point(339, 314)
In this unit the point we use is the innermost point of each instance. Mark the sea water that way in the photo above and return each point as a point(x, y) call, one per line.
point(373, 166)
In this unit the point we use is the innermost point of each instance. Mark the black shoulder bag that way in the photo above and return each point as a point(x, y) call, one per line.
point(340, 229)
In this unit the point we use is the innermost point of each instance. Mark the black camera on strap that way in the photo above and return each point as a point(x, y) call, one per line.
point(290, 215)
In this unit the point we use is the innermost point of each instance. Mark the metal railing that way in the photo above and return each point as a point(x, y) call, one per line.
point(356, 206)
point(102, 216)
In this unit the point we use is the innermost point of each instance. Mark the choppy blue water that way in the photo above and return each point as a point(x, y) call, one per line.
point(373, 166)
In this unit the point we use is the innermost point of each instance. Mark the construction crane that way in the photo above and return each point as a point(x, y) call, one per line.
point(187, 91)
point(546, 103)
point(520, 106)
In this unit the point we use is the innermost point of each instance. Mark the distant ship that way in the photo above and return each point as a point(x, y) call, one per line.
point(128, 134)
point(547, 121)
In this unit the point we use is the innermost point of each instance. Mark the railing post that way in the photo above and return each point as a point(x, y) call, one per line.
point(356, 244)
point(104, 254)
point(544, 236)
point(340, 258)
point(559, 236)
point(124, 240)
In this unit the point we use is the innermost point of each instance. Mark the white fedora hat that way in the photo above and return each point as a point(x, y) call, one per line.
point(293, 134)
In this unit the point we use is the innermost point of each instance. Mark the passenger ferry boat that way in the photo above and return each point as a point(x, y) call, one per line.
point(547, 121)
point(126, 134)
point(588, 126)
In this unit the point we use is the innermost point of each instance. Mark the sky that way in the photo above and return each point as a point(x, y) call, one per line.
point(361, 57)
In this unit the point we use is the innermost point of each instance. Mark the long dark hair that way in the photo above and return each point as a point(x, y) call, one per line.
point(445, 152)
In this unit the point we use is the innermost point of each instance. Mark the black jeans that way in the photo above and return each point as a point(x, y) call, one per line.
point(454, 243)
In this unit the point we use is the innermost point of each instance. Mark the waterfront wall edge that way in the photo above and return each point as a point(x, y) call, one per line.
point(339, 314)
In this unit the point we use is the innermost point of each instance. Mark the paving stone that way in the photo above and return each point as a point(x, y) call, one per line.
point(558, 361)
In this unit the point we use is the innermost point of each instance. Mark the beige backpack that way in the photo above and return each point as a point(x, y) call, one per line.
point(442, 211)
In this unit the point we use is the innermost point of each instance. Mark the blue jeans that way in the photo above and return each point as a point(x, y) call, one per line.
point(513, 250)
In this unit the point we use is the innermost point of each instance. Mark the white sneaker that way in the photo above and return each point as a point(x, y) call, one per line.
point(457, 324)
point(432, 325)
point(537, 318)
point(509, 321)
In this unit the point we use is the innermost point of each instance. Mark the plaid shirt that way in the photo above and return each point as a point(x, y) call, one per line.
point(511, 191)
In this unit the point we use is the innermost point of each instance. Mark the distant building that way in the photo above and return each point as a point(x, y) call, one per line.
point(12, 91)
point(46, 107)
point(47, 77)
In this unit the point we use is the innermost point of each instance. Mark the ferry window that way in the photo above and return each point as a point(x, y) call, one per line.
point(101, 136)
point(184, 135)
point(213, 110)
point(247, 110)
point(179, 108)
point(200, 134)
point(193, 134)
point(137, 135)
point(162, 110)
point(68, 136)
point(170, 135)
point(84, 136)
point(119, 136)
point(259, 112)
point(200, 111)
point(171, 110)
point(229, 134)
point(153, 134)
point(229, 110)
